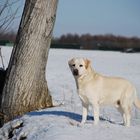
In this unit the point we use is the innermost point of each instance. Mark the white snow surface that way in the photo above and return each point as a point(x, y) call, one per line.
point(61, 122)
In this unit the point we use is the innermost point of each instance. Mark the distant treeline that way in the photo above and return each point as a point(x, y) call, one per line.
point(8, 36)
point(86, 41)
point(100, 42)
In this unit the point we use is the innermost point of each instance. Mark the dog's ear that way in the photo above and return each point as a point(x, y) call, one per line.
point(87, 63)
point(69, 62)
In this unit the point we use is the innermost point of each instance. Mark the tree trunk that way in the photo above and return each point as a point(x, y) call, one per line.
point(26, 87)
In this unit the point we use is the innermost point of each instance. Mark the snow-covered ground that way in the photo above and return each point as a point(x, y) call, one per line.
point(60, 123)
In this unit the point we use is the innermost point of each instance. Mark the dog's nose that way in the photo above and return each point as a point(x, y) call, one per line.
point(75, 72)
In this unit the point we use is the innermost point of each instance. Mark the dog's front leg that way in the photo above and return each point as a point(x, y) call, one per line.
point(85, 112)
point(96, 113)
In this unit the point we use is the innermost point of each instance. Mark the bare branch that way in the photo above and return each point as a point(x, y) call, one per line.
point(7, 14)
point(2, 59)
point(3, 7)
point(10, 20)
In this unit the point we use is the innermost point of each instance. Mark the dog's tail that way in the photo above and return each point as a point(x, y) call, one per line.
point(137, 101)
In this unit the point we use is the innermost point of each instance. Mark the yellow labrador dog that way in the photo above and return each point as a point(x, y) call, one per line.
point(96, 90)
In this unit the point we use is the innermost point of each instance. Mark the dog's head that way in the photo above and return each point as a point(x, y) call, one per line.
point(79, 66)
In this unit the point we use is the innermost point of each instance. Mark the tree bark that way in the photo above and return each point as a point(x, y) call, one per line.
point(26, 87)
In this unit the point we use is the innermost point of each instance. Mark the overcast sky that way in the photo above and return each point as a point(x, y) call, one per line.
point(118, 17)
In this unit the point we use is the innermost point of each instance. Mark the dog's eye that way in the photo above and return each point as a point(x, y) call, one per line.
point(81, 65)
point(73, 65)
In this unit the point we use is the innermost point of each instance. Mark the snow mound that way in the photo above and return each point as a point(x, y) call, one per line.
point(62, 122)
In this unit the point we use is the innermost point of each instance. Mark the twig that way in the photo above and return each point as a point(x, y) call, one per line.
point(2, 60)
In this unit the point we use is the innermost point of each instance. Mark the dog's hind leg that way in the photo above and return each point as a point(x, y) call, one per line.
point(122, 114)
point(127, 116)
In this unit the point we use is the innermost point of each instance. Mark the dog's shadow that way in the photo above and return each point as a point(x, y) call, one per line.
point(71, 115)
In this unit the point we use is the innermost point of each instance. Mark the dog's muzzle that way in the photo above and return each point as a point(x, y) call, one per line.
point(75, 72)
